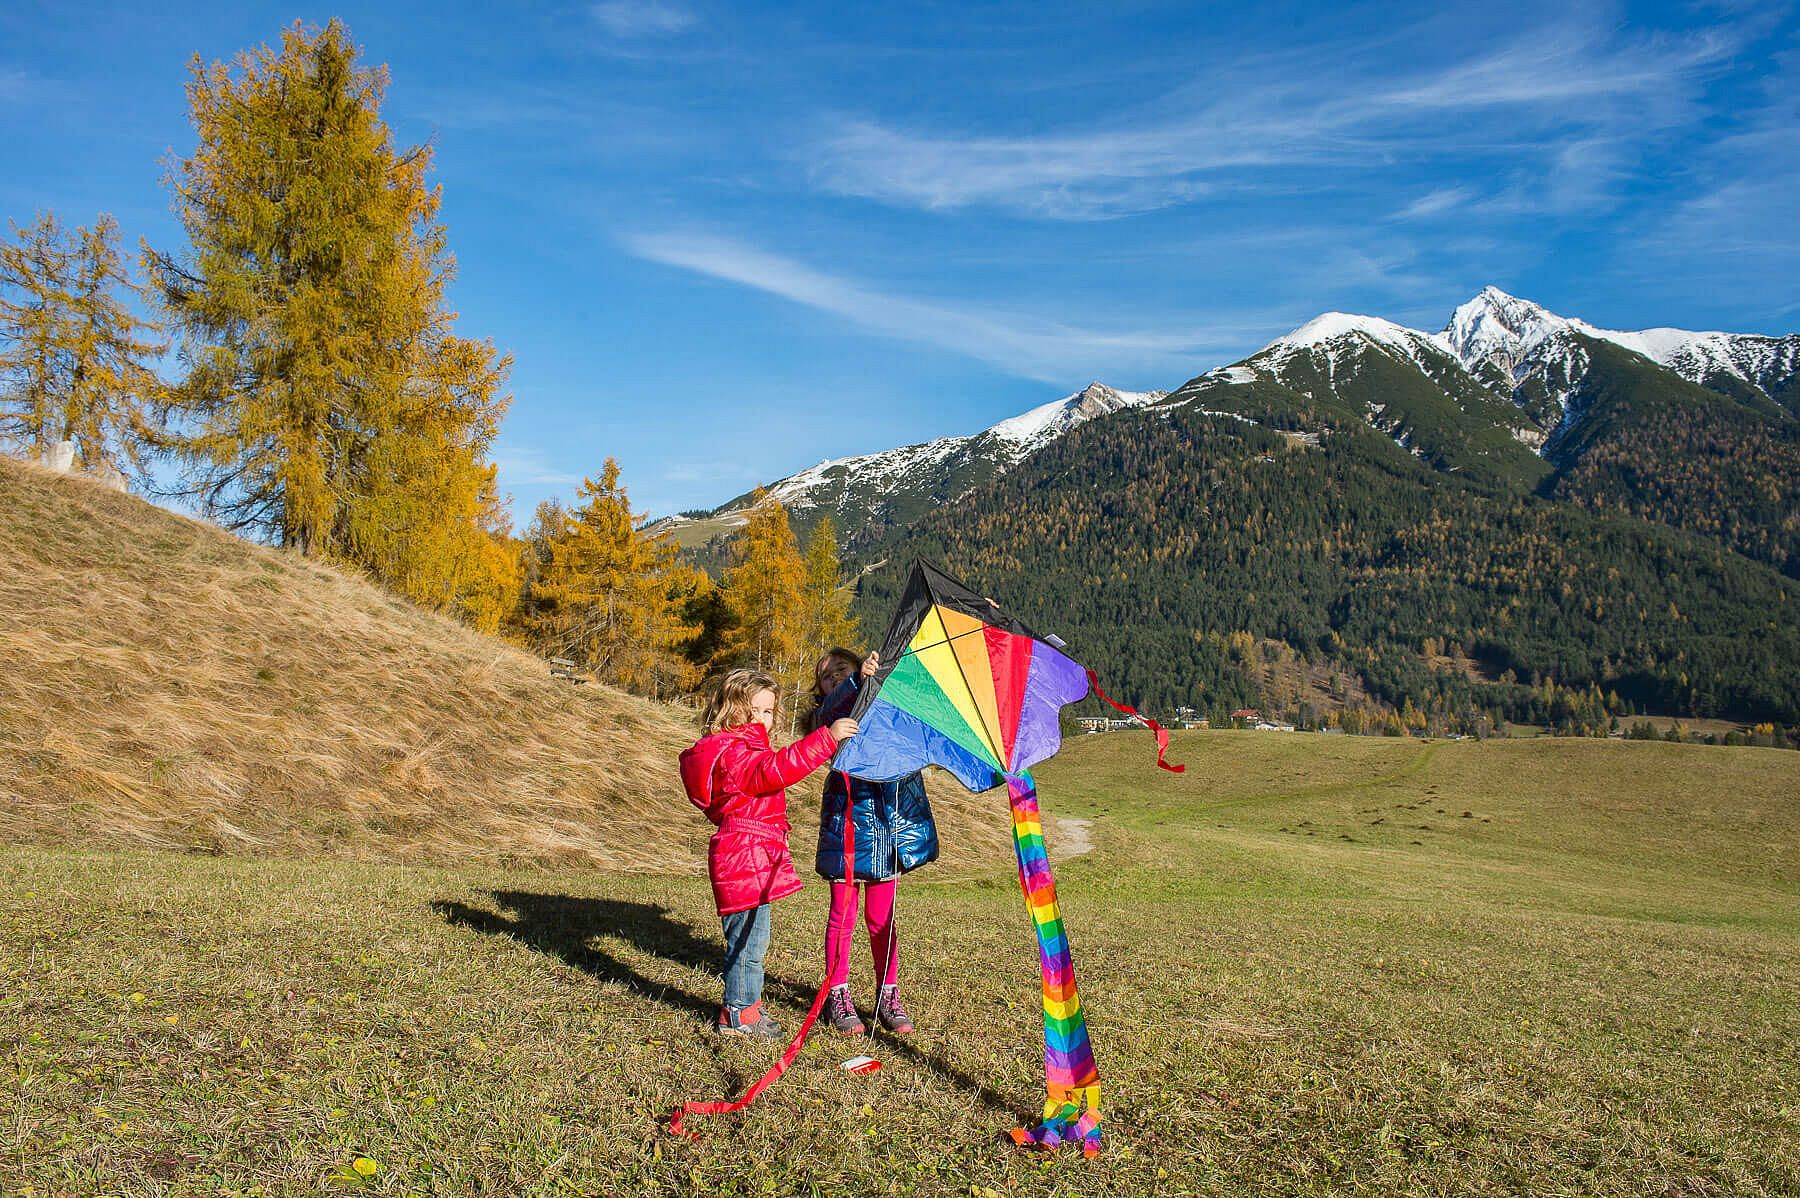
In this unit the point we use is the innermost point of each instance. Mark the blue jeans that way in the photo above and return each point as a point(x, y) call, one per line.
point(746, 941)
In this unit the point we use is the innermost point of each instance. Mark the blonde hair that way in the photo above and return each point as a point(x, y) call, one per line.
point(729, 704)
point(838, 654)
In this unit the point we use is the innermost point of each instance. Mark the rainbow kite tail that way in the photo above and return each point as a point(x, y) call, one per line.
point(1071, 1080)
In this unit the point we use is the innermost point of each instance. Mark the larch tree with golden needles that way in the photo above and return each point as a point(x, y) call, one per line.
point(827, 622)
point(327, 404)
point(610, 596)
point(765, 591)
point(73, 352)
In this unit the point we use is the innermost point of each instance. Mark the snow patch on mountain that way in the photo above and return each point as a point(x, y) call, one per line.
point(1006, 444)
point(1332, 330)
point(884, 471)
point(1521, 339)
point(1034, 429)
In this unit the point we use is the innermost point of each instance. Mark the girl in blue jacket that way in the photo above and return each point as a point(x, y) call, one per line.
point(895, 834)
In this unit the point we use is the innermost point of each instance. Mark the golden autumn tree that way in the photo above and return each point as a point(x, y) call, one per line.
point(73, 351)
point(765, 593)
point(612, 597)
point(327, 405)
point(423, 513)
point(826, 621)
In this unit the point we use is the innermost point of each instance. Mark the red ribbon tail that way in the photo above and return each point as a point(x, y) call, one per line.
point(1162, 734)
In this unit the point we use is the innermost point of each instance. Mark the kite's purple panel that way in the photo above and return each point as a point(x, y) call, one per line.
point(1054, 681)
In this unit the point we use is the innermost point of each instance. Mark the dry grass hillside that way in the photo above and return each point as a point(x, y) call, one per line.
point(164, 684)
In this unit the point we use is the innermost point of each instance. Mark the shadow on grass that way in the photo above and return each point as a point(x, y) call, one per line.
point(565, 927)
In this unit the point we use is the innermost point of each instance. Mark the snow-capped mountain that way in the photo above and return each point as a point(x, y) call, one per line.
point(1344, 329)
point(1535, 353)
point(1409, 385)
point(1003, 445)
point(1498, 347)
point(868, 492)
point(1508, 395)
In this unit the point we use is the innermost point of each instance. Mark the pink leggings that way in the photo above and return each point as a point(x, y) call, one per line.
point(878, 915)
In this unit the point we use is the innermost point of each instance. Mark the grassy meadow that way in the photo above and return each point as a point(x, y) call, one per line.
point(1312, 965)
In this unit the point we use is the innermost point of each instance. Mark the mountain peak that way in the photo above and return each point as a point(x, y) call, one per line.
point(1329, 326)
point(1345, 330)
point(1046, 422)
point(1498, 328)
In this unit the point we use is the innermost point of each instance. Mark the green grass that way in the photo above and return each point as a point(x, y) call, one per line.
point(1306, 969)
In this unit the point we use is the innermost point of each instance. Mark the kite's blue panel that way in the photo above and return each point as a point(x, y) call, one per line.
point(891, 744)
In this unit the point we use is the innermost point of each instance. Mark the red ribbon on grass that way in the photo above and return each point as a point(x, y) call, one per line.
point(812, 1015)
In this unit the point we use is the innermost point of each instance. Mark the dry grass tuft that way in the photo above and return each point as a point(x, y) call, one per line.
point(164, 684)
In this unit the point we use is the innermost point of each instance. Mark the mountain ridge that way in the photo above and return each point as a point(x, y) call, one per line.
point(1502, 368)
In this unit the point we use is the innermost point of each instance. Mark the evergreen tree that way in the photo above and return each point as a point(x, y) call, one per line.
point(327, 405)
point(72, 349)
point(827, 621)
point(612, 597)
point(765, 590)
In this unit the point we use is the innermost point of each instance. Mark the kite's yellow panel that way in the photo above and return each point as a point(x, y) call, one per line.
point(972, 655)
point(931, 646)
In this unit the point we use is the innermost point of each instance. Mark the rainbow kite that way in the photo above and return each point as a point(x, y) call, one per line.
point(966, 687)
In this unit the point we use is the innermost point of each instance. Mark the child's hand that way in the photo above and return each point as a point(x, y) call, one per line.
point(843, 730)
point(870, 664)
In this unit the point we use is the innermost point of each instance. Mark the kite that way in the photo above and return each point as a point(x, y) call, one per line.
point(967, 687)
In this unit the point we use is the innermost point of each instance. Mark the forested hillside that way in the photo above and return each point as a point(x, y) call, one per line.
point(1148, 539)
point(1652, 444)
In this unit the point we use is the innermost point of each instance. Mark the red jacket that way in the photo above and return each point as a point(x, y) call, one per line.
point(741, 783)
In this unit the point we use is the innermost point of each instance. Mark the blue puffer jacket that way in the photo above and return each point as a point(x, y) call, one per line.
point(895, 833)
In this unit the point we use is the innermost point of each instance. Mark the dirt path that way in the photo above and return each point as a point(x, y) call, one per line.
point(1072, 835)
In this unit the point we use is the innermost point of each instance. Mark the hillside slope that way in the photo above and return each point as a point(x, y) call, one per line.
point(170, 685)
point(167, 685)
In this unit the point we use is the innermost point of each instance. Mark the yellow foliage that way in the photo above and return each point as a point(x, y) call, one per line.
point(72, 352)
point(765, 592)
point(329, 406)
point(612, 597)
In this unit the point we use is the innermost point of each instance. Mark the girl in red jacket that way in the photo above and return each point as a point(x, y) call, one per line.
point(740, 782)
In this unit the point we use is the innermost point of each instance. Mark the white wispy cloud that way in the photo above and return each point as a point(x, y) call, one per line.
point(1566, 82)
point(1045, 350)
point(522, 466)
point(643, 18)
point(1435, 203)
point(1742, 221)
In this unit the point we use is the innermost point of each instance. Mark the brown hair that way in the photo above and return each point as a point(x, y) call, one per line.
point(838, 654)
point(729, 705)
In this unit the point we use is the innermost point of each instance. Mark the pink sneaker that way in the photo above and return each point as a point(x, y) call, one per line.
point(748, 1022)
point(840, 1012)
point(890, 1014)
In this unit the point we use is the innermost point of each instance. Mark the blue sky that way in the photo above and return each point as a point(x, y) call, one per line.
point(725, 241)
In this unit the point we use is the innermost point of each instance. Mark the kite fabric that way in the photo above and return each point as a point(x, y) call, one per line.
point(963, 686)
point(1071, 1079)
point(967, 687)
